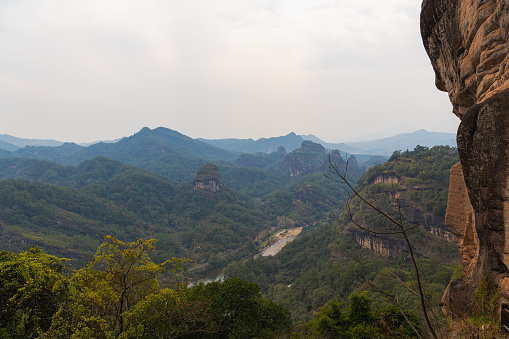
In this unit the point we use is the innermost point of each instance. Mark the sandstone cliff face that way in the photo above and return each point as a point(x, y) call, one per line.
point(380, 245)
point(208, 178)
point(386, 178)
point(466, 41)
point(460, 219)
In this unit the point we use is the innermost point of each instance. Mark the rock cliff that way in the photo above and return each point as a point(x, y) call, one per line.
point(466, 41)
point(309, 158)
point(208, 178)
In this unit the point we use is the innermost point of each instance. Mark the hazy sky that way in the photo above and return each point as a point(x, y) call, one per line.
point(85, 70)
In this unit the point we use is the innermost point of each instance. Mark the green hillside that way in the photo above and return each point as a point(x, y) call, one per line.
point(213, 229)
point(161, 150)
point(330, 262)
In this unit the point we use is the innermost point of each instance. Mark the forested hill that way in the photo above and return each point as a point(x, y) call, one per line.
point(160, 150)
point(413, 182)
point(336, 259)
point(110, 198)
point(68, 210)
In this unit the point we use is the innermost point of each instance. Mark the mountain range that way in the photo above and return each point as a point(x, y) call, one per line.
point(384, 146)
point(167, 138)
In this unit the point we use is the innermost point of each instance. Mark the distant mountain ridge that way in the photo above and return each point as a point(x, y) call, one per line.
point(146, 143)
point(149, 143)
point(290, 142)
point(407, 141)
point(384, 146)
point(22, 142)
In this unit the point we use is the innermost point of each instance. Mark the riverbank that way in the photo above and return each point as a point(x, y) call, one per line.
point(283, 238)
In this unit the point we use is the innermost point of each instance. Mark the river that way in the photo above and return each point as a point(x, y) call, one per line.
point(284, 237)
point(217, 275)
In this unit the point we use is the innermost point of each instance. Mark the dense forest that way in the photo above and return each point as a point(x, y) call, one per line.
point(333, 261)
point(67, 210)
point(219, 212)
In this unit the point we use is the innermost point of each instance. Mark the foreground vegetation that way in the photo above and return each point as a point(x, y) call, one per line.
point(118, 295)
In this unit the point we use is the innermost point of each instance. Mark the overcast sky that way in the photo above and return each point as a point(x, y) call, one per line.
point(85, 70)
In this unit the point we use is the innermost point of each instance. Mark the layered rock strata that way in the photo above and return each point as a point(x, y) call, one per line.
point(467, 42)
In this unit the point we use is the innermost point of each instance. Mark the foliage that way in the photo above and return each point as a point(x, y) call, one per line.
point(104, 196)
point(328, 264)
point(240, 310)
point(32, 286)
point(113, 283)
point(486, 296)
point(357, 319)
point(170, 314)
point(117, 295)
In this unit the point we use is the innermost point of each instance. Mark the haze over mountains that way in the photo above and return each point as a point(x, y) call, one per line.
point(292, 141)
point(384, 146)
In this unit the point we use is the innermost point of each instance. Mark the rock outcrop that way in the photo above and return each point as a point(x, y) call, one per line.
point(309, 158)
point(460, 220)
point(208, 178)
point(466, 41)
point(381, 245)
point(386, 178)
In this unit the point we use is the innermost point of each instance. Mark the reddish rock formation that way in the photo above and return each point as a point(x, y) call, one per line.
point(386, 178)
point(466, 41)
point(460, 220)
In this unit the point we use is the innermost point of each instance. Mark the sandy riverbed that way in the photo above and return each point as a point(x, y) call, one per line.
point(282, 241)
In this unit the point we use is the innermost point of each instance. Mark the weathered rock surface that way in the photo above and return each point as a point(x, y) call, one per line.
point(467, 44)
point(379, 244)
point(386, 178)
point(466, 41)
point(460, 220)
point(208, 178)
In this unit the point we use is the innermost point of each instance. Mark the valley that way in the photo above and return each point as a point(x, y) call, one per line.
point(281, 239)
point(236, 214)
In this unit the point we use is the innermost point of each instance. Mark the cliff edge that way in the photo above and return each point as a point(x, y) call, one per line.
point(467, 43)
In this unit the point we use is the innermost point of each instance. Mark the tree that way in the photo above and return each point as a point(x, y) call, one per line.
point(357, 320)
point(32, 286)
point(241, 311)
point(170, 314)
point(113, 283)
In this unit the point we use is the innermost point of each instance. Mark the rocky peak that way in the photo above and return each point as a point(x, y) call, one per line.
point(281, 150)
point(208, 178)
point(352, 161)
point(309, 158)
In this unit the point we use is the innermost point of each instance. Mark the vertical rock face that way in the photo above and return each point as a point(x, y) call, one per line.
point(460, 220)
point(467, 42)
point(208, 178)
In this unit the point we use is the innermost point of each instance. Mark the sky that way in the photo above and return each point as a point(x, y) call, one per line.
point(82, 71)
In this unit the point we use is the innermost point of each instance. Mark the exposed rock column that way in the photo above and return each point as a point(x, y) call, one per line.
point(460, 219)
point(467, 42)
